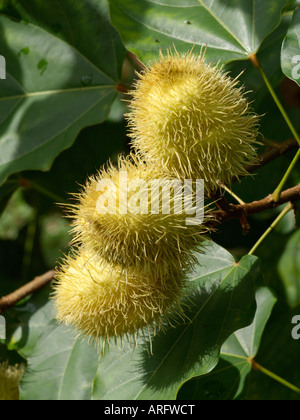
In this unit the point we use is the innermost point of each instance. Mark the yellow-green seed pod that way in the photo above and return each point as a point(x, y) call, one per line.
point(10, 377)
point(131, 217)
point(107, 302)
point(193, 120)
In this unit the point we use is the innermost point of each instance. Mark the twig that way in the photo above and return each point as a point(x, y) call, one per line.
point(273, 376)
point(219, 200)
point(284, 212)
point(277, 192)
point(38, 283)
point(291, 195)
point(122, 88)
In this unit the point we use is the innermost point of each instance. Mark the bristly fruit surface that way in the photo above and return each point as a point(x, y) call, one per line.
point(107, 302)
point(192, 120)
point(149, 240)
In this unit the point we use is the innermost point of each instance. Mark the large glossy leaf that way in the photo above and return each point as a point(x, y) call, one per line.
point(289, 269)
point(231, 29)
point(84, 25)
point(290, 57)
point(59, 79)
point(279, 353)
point(243, 345)
point(228, 379)
point(62, 367)
point(269, 58)
point(222, 301)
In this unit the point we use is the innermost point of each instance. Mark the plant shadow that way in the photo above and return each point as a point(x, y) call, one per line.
point(192, 348)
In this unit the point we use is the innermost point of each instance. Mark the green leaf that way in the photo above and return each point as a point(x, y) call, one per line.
point(227, 380)
point(16, 216)
point(59, 80)
point(28, 322)
point(269, 58)
point(221, 301)
point(231, 30)
point(62, 367)
point(289, 270)
point(71, 22)
point(279, 353)
point(245, 343)
point(290, 56)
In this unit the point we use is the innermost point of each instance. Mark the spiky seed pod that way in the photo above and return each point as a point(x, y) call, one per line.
point(10, 377)
point(193, 120)
point(104, 301)
point(152, 238)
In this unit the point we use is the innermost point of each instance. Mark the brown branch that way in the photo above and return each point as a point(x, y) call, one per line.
point(38, 283)
point(223, 205)
point(267, 203)
point(122, 88)
point(219, 200)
